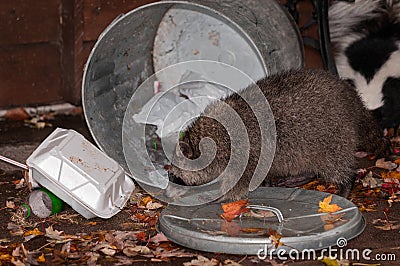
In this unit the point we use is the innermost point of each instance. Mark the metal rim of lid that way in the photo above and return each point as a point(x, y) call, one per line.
point(181, 231)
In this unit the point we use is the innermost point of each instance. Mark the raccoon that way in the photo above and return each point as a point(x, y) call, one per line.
point(320, 122)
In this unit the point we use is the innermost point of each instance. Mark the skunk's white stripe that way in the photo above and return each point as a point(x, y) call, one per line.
point(370, 93)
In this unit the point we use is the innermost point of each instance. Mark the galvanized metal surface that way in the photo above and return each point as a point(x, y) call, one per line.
point(303, 227)
point(123, 56)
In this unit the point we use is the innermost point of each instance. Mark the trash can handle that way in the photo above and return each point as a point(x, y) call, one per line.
point(274, 210)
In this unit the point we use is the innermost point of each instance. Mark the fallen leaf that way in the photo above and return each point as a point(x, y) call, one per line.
point(108, 251)
point(137, 249)
point(16, 114)
point(275, 238)
point(385, 225)
point(388, 165)
point(145, 200)
point(234, 209)
point(252, 230)
point(231, 228)
point(35, 231)
point(158, 238)
point(17, 262)
point(231, 262)
point(41, 259)
point(15, 230)
point(153, 205)
point(390, 187)
point(141, 236)
point(141, 216)
point(54, 234)
point(325, 206)
point(20, 184)
point(370, 181)
point(391, 174)
point(16, 252)
point(202, 261)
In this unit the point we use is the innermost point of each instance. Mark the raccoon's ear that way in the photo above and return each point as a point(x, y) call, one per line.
point(186, 149)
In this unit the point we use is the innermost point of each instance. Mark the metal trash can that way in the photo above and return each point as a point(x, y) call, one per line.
point(259, 38)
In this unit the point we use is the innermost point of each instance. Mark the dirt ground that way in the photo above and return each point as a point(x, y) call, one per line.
point(131, 238)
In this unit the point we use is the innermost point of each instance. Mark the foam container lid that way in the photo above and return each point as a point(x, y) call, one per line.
point(80, 174)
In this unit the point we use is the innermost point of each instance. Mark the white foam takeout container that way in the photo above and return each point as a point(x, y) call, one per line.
point(80, 174)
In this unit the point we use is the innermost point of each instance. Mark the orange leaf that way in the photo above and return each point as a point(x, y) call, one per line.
point(326, 206)
point(275, 238)
point(250, 230)
point(141, 217)
point(145, 200)
point(234, 209)
point(35, 231)
point(392, 174)
point(141, 236)
point(234, 206)
point(41, 258)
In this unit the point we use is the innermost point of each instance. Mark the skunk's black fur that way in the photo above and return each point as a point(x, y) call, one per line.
point(366, 38)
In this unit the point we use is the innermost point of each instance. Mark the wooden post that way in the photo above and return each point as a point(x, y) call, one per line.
point(72, 57)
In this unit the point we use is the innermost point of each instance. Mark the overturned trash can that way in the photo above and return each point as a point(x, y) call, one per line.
point(258, 38)
point(157, 48)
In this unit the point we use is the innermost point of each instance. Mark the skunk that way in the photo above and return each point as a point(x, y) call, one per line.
point(365, 35)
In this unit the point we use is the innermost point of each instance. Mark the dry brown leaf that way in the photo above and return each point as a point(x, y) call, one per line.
point(15, 230)
point(138, 250)
point(17, 114)
point(153, 205)
point(231, 228)
point(388, 165)
point(252, 230)
point(158, 238)
point(231, 262)
point(202, 261)
point(108, 251)
point(54, 234)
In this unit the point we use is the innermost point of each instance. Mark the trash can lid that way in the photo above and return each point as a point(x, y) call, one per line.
point(260, 231)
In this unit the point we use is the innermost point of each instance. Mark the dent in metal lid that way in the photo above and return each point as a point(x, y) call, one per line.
point(302, 227)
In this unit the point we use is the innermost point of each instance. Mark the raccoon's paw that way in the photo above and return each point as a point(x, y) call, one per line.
point(344, 189)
